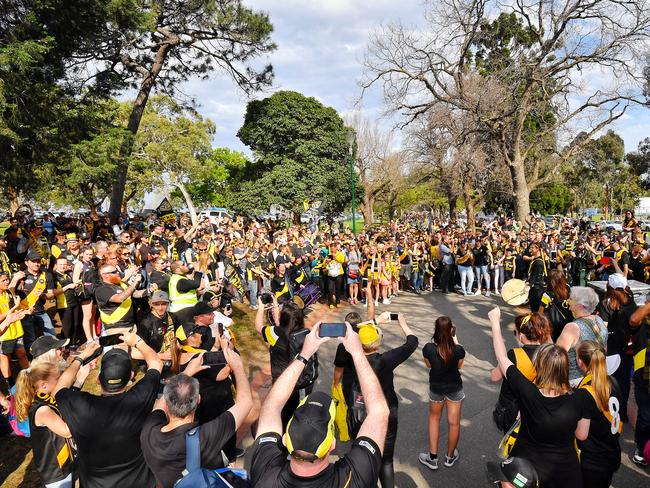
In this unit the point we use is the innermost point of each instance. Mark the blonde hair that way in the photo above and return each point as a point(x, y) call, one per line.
point(552, 365)
point(593, 357)
point(26, 386)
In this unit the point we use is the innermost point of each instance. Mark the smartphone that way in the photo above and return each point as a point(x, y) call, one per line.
point(220, 328)
point(394, 316)
point(94, 356)
point(216, 358)
point(332, 330)
point(110, 340)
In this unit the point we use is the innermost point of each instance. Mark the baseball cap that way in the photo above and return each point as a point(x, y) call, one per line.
point(71, 237)
point(32, 255)
point(159, 296)
point(115, 371)
point(311, 429)
point(518, 471)
point(368, 334)
point(617, 280)
point(188, 328)
point(84, 236)
point(200, 308)
point(46, 343)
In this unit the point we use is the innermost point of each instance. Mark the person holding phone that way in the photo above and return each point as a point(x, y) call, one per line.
point(309, 436)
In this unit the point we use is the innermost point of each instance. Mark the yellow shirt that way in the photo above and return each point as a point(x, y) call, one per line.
point(15, 330)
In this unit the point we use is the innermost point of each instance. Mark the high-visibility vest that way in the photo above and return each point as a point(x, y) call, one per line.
point(117, 314)
point(178, 300)
point(31, 298)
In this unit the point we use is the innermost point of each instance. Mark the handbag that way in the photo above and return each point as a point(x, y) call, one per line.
point(353, 274)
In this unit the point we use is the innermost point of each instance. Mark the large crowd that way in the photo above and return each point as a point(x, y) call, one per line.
point(149, 304)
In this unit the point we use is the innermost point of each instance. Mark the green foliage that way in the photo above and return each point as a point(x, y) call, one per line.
point(639, 162)
point(552, 199)
point(212, 189)
point(300, 152)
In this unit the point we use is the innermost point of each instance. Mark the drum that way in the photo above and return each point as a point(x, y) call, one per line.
point(515, 292)
point(307, 295)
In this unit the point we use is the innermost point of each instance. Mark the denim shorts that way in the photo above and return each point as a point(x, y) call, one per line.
point(457, 396)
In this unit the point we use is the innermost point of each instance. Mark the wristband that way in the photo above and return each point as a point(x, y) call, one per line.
point(77, 358)
point(137, 342)
point(301, 358)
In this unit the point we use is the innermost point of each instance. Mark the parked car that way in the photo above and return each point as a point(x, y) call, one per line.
point(215, 214)
point(611, 225)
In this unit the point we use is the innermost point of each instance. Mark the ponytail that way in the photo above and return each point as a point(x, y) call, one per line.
point(593, 357)
point(25, 391)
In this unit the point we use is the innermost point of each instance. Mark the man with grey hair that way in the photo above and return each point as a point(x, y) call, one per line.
point(163, 434)
point(587, 326)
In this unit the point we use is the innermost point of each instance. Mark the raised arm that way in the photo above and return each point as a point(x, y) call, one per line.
point(149, 355)
point(75, 374)
point(260, 319)
point(497, 340)
point(244, 400)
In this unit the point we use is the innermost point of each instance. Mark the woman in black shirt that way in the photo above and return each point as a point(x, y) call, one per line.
point(551, 415)
point(444, 356)
point(600, 453)
point(555, 302)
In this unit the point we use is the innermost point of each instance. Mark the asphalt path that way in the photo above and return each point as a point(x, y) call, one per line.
point(479, 437)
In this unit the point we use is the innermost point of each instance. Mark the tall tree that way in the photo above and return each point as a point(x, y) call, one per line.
point(158, 44)
point(530, 64)
point(639, 162)
point(300, 153)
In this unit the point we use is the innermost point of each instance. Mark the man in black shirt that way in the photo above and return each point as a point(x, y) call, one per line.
point(310, 433)
point(156, 327)
point(163, 434)
point(107, 428)
point(114, 299)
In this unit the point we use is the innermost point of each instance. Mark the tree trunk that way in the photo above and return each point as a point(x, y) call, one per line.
point(521, 193)
point(367, 210)
point(453, 201)
point(14, 199)
point(188, 200)
point(140, 103)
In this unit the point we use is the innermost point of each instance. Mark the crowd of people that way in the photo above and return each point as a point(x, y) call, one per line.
point(149, 303)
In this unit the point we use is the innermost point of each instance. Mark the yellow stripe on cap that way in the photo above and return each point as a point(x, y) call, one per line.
point(323, 447)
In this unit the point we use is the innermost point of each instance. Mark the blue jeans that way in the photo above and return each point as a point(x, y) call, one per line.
point(252, 292)
point(482, 272)
point(466, 278)
point(416, 279)
point(39, 322)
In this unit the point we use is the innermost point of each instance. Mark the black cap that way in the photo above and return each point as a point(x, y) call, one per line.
point(32, 255)
point(188, 328)
point(115, 372)
point(84, 236)
point(311, 429)
point(200, 308)
point(46, 343)
point(518, 471)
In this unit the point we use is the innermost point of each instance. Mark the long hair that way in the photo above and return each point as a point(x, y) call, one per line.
point(534, 326)
point(558, 285)
point(291, 318)
point(552, 365)
point(443, 334)
point(593, 357)
point(25, 386)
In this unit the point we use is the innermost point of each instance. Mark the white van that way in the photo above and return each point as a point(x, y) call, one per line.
point(215, 214)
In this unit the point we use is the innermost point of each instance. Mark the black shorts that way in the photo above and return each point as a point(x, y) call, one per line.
point(8, 347)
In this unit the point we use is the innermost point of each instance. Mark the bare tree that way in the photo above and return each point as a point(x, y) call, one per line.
point(577, 70)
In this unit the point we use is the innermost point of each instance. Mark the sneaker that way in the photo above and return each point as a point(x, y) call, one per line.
point(386, 302)
point(477, 292)
point(449, 461)
point(425, 458)
point(338, 305)
point(487, 294)
point(638, 459)
point(376, 302)
point(331, 307)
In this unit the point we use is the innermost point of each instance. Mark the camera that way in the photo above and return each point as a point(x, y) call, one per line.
point(266, 298)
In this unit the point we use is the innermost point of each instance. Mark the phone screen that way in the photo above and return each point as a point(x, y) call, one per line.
point(394, 316)
point(332, 330)
point(215, 358)
point(110, 340)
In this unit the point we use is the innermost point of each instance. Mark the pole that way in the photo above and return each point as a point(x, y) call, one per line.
point(354, 214)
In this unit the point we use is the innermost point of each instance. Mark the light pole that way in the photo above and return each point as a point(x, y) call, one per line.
point(350, 137)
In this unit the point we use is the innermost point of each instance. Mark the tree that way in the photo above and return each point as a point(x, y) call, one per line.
point(159, 44)
point(530, 64)
point(555, 198)
point(300, 153)
point(639, 162)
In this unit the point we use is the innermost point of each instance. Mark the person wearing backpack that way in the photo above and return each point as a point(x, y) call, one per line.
point(163, 436)
point(309, 437)
point(600, 453)
point(444, 357)
point(587, 326)
point(531, 330)
point(555, 302)
point(383, 364)
point(285, 341)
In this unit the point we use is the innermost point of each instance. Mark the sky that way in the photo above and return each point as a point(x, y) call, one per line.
point(320, 47)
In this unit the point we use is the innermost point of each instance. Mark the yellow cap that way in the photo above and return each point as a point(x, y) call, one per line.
point(368, 334)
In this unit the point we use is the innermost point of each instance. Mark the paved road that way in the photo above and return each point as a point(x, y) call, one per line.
point(479, 437)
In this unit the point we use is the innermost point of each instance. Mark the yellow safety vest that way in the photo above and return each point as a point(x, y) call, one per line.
point(31, 298)
point(15, 329)
point(117, 314)
point(178, 300)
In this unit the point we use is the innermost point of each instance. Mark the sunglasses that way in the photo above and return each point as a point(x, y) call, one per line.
point(111, 272)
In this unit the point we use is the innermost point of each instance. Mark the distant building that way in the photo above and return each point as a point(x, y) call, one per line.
point(643, 207)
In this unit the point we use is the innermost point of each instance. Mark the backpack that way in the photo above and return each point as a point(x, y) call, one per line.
point(310, 372)
point(357, 410)
point(197, 477)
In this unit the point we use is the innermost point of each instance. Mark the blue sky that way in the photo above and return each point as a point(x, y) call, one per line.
point(320, 47)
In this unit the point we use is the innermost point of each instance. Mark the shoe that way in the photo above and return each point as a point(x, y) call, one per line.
point(638, 459)
point(464, 293)
point(253, 307)
point(376, 302)
point(338, 305)
point(331, 307)
point(477, 292)
point(497, 292)
point(487, 294)
point(449, 461)
point(425, 459)
point(239, 452)
point(386, 302)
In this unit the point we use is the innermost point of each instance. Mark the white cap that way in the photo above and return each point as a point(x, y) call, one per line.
point(617, 280)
